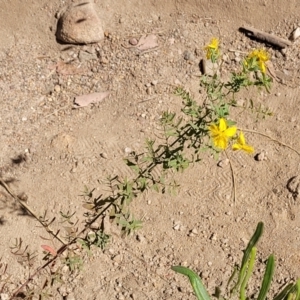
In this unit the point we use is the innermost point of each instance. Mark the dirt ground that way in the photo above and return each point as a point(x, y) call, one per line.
point(50, 151)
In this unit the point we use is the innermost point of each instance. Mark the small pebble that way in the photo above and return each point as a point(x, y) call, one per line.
point(295, 34)
point(4, 296)
point(187, 55)
point(118, 258)
point(195, 231)
point(222, 163)
point(213, 237)
point(140, 238)
point(57, 88)
point(184, 264)
point(128, 150)
point(176, 227)
point(104, 155)
point(260, 156)
point(71, 296)
point(133, 41)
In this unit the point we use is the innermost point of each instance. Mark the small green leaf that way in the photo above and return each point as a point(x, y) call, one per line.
point(195, 281)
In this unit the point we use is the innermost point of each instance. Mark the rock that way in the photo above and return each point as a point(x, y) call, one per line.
point(79, 24)
point(209, 68)
point(57, 88)
point(118, 258)
point(176, 227)
point(293, 186)
point(4, 296)
point(187, 55)
point(128, 150)
point(85, 56)
point(260, 156)
point(140, 238)
point(295, 34)
point(222, 163)
point(133, 41)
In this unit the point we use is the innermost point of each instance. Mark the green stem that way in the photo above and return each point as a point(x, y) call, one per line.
point(248, 273)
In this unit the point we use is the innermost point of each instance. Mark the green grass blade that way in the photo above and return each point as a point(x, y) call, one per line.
point(297, 289)
point(282, 295)
point(267, 278)
point(253, 241)
point(248, 273)
point(195, 281)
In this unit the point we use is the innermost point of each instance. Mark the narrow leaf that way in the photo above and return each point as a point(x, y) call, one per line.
point(89, 206)
point(282, 295)
point(248, 273)
point(267, 278)
point(297, 289)
point(49, 249)
point(253, 241)
point(195, 281)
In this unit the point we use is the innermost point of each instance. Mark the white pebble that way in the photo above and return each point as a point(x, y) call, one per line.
point(128, 150)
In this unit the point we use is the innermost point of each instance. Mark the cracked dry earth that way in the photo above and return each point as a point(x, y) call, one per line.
point(50, 151)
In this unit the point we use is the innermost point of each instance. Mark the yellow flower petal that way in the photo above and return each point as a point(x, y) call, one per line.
point(261, 57)
point(241, 139)
point(214, 129)
point(236, 147)
point(262, 67)
point(241, 144)
point(214, 43)
point(221, 133)
point(220, 142)
point(229, 132)
point(248, 149)
point(222, 124)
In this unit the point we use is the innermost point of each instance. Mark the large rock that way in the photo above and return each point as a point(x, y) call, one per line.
point(79, 24)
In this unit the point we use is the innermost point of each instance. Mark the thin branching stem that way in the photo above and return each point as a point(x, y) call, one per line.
point(272, 139)
point(28, 209)
point(233, 178)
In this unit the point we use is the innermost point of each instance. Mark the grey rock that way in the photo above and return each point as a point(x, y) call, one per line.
point(209, 68)
point(85, 56)
point(79, 24)
point(187, 55)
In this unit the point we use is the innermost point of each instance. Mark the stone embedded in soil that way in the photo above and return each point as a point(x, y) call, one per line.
point(140, 238)
point(293, 186)
point(261, 156)
point(222, 163)
point(295, 34)
point(133, 41)
point(85, 56)
point(4, 296)
point(209, 68)
point(187, 55)
point(80, 24)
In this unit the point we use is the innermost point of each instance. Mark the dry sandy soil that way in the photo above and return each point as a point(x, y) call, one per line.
point(50, 151)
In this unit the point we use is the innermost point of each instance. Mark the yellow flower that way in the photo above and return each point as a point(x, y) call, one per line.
point(214, 43)
point(241, 144)
point(261, 56)
point(221, 133)
point(212, 50)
